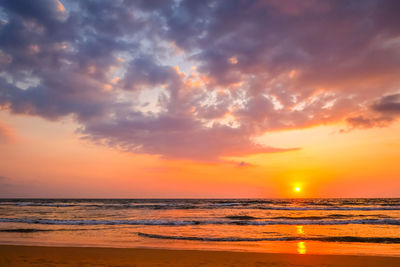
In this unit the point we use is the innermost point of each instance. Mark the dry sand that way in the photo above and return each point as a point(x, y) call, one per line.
point(82, 256)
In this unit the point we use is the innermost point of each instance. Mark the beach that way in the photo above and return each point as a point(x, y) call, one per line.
point(11, 255)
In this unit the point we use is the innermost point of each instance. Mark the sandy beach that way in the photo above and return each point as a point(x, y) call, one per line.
point(11, 255)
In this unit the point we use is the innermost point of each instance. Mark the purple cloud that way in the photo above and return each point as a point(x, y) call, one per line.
point(200, 79)
point(388, 104)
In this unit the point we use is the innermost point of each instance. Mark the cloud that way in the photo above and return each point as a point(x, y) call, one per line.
point(364, 122)
point(388, 104)
point(174, 137)
point(244, 164)
point(200, 79)
point(380, 114)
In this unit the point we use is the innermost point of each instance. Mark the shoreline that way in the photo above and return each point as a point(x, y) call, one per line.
point(19, 255)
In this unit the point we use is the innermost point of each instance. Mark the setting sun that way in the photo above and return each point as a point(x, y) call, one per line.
point(297, 189)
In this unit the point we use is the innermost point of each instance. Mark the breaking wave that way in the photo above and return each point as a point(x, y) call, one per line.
point(387, 240)
point(201, 222)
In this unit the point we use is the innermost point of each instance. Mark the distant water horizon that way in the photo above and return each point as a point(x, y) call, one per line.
point(301, 225)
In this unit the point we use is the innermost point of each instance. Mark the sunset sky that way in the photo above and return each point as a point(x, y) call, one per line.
point(157, 98)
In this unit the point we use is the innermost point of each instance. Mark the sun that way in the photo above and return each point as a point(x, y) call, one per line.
point(297, 189)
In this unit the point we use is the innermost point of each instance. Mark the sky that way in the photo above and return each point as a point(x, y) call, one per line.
point(193, 99)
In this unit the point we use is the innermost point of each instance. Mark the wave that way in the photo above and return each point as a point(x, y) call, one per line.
point(33, 230)
point(199, 222)
point(100, 222)
point(241, 217)
point(331, 216)
point(106, 206)
point(319, 222)
point(23, 204)
point(24, 230)
point(387, 240)
point(186, 206)
point(329, 208)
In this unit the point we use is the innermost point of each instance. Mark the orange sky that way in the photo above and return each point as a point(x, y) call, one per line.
point(48, 159)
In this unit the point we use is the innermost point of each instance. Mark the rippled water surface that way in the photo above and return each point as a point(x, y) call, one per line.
point(328, 226)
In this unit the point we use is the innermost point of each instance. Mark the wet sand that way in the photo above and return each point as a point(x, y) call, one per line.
point(84, 256)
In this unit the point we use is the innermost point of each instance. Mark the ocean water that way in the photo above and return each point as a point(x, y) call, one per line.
point(314, 226)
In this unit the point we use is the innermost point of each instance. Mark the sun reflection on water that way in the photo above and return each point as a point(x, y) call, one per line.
point(301, 247)
point(300, 230)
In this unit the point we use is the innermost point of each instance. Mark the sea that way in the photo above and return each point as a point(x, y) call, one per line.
point(301, 226)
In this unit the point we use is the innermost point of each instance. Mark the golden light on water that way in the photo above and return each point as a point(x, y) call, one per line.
point(301, 247)
point(300, 230)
